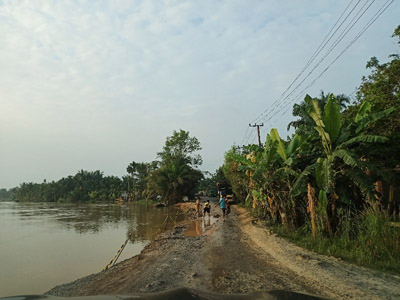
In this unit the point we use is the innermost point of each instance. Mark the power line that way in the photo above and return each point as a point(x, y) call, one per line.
point(313, 56)
point(250, 137)
point(360, 33)
point(319, 49)
point(279, 108)
point(287, 99)
point(327, 38)
point(333, 46)
point(245, 134)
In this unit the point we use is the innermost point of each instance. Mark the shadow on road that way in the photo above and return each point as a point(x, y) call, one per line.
point(181, 294)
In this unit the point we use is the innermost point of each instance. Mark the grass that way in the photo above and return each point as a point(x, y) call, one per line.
point(369, 241)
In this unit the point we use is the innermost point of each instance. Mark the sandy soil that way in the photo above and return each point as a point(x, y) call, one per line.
point(234, 257)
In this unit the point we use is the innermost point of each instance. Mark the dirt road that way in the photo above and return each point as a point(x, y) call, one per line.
point(234, 257)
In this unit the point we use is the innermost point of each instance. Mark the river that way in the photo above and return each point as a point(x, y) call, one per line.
point(46, 244)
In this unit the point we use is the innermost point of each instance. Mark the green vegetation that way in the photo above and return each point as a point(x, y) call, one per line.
point(171, 177)
point(176, 175)
point(84, 186)
point(369, 241)
point(208, 186)
point(168, 179)
point(6, 195)
point(333, 185)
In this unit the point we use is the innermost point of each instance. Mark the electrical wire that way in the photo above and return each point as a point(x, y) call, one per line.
point(280, 104)
point(351, 24)
point(245, 134)
point(322, 45)
point(311, 58)
point(360, 33)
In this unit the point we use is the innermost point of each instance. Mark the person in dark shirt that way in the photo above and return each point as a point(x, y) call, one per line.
point(207, 208)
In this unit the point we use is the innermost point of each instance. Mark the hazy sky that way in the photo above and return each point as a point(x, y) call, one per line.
point(94, 85)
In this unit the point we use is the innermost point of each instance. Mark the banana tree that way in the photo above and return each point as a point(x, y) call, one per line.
point(254, 165)
point(338, 158)
point(281, 161)
point(237, 168)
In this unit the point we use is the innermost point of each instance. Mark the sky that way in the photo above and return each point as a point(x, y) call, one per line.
point(95, 85)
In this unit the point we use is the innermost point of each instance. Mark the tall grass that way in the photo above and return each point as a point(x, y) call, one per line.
point(367, 240)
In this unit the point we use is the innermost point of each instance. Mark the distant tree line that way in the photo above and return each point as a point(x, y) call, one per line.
point(6, 195)
point(84, 186)
point(167, 179)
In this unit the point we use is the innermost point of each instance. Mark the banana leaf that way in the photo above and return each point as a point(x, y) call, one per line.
point(332, 119)
point(281, 147)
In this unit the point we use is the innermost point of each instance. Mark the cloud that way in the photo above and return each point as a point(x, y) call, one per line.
point(97, 84)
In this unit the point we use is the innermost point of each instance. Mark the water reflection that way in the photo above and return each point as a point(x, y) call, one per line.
point(199, 226)
point(45, 244)
point(143, 221)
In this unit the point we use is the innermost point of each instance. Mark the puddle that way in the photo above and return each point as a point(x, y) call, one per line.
point(199, 226)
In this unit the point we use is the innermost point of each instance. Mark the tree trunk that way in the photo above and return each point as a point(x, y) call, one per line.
point(379, 189)
point(391, 199)
point(311, 209)
point(331, 213)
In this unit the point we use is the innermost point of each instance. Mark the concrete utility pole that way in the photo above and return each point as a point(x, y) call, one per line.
point(258, 131)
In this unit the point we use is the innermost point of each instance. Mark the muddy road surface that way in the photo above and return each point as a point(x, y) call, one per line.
point(233, 257)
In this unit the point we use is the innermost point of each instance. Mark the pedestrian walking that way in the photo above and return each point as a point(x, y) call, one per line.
point(197, 207)
point(222, 204)
point(206, 208)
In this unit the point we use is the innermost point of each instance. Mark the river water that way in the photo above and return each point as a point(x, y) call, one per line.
point(46, 244)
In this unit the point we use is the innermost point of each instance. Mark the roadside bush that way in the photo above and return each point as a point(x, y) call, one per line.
point(367, 240)
point(379, 243)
